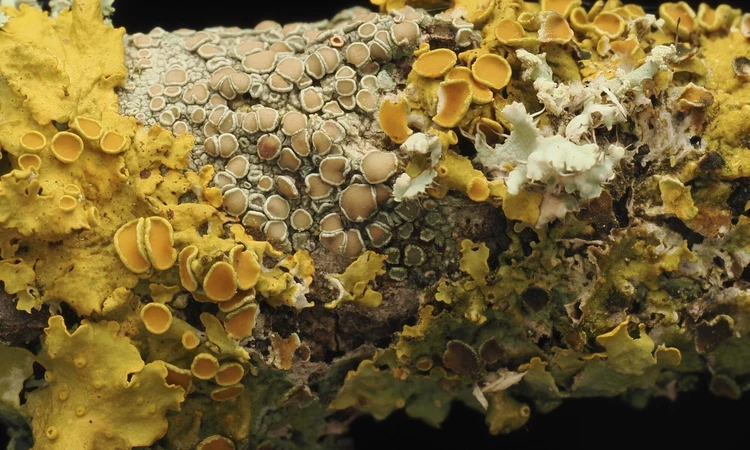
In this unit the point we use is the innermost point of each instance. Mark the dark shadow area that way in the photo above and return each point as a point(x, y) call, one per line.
point(582, 423)
point(144, 15)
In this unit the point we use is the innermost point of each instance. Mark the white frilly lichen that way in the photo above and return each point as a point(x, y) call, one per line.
point(424, 145)
point(570, 164)
point(555, 97)
point(554, 160)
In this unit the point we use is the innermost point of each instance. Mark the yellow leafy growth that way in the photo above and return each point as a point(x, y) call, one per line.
point(353, 284)
point(100, 394)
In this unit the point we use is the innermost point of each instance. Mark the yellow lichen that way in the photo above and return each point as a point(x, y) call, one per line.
point(99, 393)
point(354, 284)
point(435, 63)
point(634, 356)
point(16, 368)
point(677, 199)
point(454, 98)
point(524, 206)
point(161, 293)
point(456, 172)
point(144, 180)
point(474, 261)
point(392, 119)
point(278, 285)
point(220, 342)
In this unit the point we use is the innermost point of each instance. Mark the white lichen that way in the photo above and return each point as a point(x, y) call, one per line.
point(556, 97)
point(422, 145)
point(553, 160)
point(408, 187)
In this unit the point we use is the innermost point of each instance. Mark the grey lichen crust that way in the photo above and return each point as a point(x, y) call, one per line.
point(286, 116)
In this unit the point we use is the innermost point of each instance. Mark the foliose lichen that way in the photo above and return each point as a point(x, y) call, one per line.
point(244, 238)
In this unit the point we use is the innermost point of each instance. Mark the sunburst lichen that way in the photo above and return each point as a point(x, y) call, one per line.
point(527, 201)
point(99, 392)
point(354, 284)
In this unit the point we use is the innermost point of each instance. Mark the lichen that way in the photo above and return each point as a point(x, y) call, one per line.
point(255, 235)
point(354, 284)
point(99, 392)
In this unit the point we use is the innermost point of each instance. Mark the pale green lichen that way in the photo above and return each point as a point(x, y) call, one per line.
point(549, 160)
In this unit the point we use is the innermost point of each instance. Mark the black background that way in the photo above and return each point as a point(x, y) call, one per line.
point(695, 419)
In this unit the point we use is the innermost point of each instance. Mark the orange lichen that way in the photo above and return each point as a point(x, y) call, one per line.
point(712, 20)
point(215, 442)
point(454, 98)
point(510, 32)
point(229, 374)
point(220, 283)
point(392, 119)
point(190, 340)
point(282, 350)
point(609, 24)
point(239, 324)
point(694, 96)
point(555, 29)
point(246, 266)
point(223, 394)
point(579, 20)
point(159, 241)
point(67, 147)
point(33, 141)
point(128, 243)
point(28, 161)
point(156, 317)
point(204, 366)
point(179, 377)
point(562, 7)
point(491, 70)
point(187, 277)
point(435, 63)
point(112, 143)
point(88, 128)
point(678, 14)
point(481, 94)
point(67, 203)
